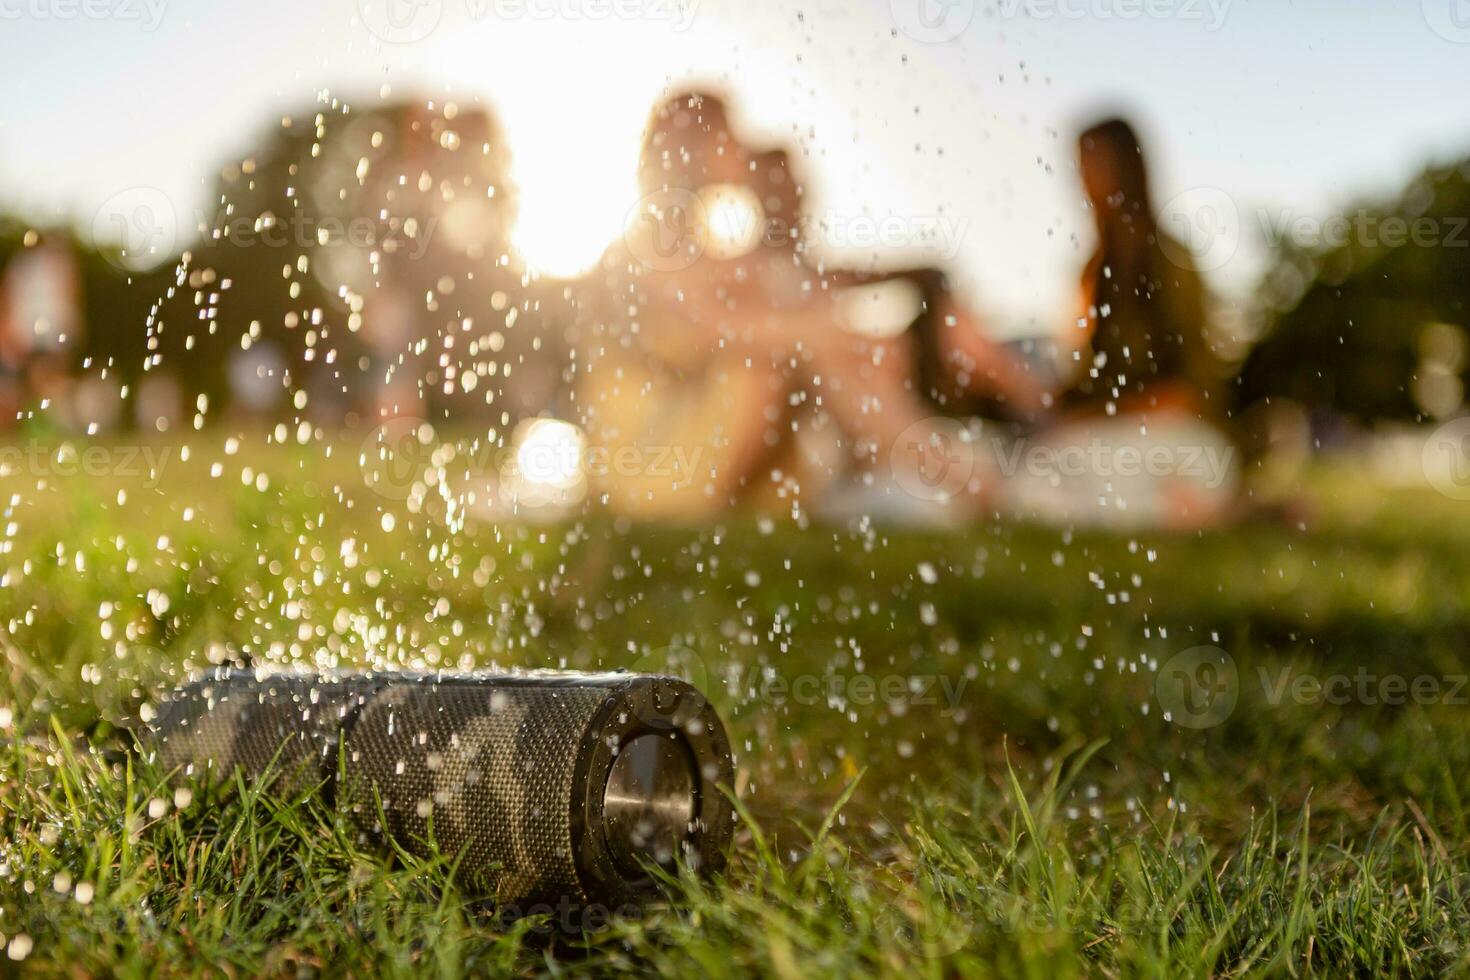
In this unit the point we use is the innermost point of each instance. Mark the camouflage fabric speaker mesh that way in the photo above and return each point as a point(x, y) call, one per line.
point(494, 771)
point(488, 773)
point(289, 725)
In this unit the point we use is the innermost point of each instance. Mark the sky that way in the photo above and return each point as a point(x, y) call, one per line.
point(928, 130)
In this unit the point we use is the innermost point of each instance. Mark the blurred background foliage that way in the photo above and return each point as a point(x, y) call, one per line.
point(363, 257)
point(1372, 330)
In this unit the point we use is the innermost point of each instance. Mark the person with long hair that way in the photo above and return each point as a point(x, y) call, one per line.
point(1146, 379)
point(1143, 317)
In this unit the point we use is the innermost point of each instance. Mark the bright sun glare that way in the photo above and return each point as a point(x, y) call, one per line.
point(574, 138)
point(569, 212)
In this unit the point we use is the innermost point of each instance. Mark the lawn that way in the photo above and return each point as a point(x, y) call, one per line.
point(953, 749)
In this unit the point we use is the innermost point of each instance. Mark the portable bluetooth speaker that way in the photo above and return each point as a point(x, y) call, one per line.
point(547, 786)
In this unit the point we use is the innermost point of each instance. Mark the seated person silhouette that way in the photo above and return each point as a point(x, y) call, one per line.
point(709, 330)
point(1146, 392)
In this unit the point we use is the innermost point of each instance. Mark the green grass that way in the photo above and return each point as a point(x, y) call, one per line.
point(1028, 811)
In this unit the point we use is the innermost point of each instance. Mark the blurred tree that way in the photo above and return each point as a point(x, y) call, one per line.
point(1372, 327)
point(358, 261)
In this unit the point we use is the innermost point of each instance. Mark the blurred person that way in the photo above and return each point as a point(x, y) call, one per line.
point(718, 337)
point(255, 376)
point(40, 326)
point(1147, 379)
point(654, 372)
point(12, 384)
point(1142, 317)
